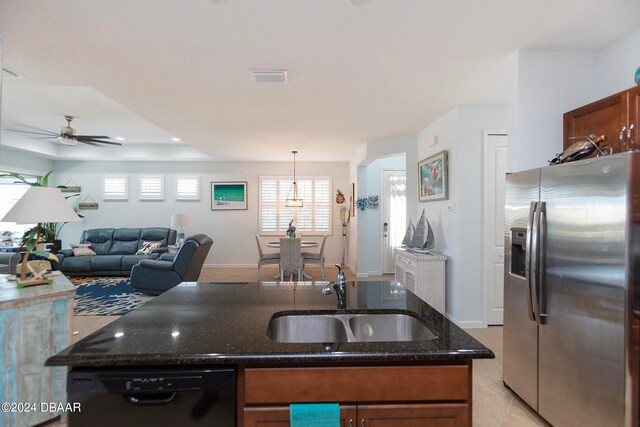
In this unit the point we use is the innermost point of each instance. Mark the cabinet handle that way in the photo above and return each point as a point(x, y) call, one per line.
point(622, 135)
point(629, 140)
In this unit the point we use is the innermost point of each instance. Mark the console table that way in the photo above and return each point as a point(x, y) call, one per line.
point(422, 274)
point(36, 323)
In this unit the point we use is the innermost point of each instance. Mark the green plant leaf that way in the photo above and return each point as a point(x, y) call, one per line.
point(45, 178)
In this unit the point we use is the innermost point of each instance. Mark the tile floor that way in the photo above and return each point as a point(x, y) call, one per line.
point(493, 404)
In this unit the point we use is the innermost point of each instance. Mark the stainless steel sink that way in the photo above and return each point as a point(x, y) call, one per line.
point(389, 327)
point(332, 328)
point(307, 329)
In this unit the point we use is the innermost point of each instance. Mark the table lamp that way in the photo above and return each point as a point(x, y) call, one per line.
point(38, 205)
point(180, 220)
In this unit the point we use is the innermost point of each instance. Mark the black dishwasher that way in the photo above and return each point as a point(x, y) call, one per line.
point(153, 397)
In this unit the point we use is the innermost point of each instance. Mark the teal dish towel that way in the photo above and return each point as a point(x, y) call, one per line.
point(314, 415)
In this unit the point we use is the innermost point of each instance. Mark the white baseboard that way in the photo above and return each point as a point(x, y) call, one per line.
point(466, 324)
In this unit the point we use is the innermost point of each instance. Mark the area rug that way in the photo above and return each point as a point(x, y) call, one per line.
point(106, 296)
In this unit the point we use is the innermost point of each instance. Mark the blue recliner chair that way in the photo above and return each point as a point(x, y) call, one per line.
point(154, 277)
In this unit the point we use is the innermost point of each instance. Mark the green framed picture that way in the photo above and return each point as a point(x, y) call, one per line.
point(433, 178)
point(228, 195)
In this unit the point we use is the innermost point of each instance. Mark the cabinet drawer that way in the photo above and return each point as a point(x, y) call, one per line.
point(356, 384)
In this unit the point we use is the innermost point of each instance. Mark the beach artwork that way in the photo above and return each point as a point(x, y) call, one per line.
point(228, 195)
point(432, 173)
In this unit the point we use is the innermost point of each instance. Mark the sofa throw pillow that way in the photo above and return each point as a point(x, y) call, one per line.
point(82, 249)
point(148, 247)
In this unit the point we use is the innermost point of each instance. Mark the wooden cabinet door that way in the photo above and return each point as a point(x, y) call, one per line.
point(278, 416)
point(604, 117)
point(634, 118)
point(435, 415)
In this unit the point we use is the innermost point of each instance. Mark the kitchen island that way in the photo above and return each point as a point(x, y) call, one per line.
point(225, 325)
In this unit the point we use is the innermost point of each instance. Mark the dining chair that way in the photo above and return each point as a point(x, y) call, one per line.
point(265, 259)
point(316, 257)
point(291, 257)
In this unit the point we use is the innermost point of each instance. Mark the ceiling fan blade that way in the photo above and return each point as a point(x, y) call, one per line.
point(89, 143)
point(93, 136)
point(36, 133)
point(98, 141)
point(33, 127)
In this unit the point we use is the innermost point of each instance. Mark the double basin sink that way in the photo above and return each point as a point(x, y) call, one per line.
point(335, 328)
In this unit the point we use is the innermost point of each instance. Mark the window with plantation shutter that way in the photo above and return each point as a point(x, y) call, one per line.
point(188, 187)
point(115, 187)
point(313, 218)
point(151, 187)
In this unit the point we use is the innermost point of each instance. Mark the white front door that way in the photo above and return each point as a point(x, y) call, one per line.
point(394, 217)
point(495, 168)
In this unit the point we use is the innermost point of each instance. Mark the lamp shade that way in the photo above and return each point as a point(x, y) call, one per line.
point(180, 220)
point(41, 204)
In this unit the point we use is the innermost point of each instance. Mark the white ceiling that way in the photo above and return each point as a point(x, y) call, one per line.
point(154, 69)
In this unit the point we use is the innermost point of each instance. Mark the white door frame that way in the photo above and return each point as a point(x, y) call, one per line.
point(384, 201)
point(486, 229)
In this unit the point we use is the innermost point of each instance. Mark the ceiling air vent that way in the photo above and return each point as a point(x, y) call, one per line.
point(277, 76)
point(8, 74)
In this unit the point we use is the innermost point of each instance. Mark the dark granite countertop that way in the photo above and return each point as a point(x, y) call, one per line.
point(220, 323)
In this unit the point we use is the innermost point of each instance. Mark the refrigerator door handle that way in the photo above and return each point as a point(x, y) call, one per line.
point(535, 258)
point(527, 259)
point(542, 259)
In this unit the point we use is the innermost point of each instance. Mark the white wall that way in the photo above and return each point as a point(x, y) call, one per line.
point(543, 85)
point(373, 217)
point(232, 231)
point(23, 162)
point(458, 221)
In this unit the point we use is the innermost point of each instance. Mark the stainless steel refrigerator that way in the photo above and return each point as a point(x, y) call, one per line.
point(572, 258)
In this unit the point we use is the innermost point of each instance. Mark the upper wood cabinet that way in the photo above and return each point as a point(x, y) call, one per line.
point(615, 116)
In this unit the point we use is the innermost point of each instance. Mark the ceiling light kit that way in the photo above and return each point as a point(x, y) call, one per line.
point(295, 201)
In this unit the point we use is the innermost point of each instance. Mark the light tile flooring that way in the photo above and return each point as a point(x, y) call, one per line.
point(493, 404)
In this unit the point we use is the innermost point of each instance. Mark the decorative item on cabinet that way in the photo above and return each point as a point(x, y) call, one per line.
point(581, 149)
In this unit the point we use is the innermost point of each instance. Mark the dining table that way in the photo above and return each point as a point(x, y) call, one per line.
point(305, 244)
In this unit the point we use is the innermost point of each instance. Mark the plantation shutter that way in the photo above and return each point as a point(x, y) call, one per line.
point(188, 187)
point(313, 218)
point(151, 187)
point(115, 187)
point(268, 204)
point(322, 204)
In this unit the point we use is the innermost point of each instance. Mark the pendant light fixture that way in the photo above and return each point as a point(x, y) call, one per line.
point(295, 201)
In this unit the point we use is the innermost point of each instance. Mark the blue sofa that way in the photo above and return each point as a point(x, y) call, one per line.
point(115, 250)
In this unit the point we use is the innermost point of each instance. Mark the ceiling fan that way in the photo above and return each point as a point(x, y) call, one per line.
point(68, 135)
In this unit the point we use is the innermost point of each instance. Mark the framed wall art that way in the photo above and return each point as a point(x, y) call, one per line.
point(228, 195)
point(433, 178)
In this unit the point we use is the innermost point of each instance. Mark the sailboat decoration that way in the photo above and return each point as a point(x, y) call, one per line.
point(423, 239)
point(411, 229)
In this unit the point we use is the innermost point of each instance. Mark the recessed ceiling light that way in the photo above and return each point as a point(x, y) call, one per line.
point(119, 138)
point(271, 76)
point(176, 139)
point(358, 2)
